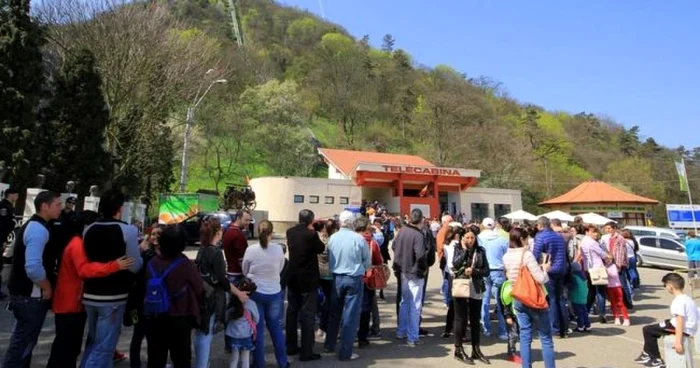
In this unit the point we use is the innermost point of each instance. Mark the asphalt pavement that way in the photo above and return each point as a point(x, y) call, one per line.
point(607, 346)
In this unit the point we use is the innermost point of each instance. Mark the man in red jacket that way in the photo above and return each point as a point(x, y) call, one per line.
point(67, 303)
point(235, 243)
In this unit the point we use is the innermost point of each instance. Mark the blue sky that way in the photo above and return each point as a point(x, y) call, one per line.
point(636, 61)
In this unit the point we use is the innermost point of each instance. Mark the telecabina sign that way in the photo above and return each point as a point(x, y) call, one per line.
point(421, 170)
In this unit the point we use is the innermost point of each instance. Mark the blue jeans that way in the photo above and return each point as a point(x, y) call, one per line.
point(559, 314)
point(626, 288)
point(446, 297)
point(104, 326)
point(582, 318)
point(529, 319)
point(410, 307)
point(202, 345)
point(271, 310)
point(633, 273)
point(493, 287)
point(346, 301)
point(30, 314)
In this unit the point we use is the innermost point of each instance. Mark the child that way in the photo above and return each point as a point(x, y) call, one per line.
point(240, 329)
point(506, 301)
point(682, 324)
point(615, 294)
point(578, 296)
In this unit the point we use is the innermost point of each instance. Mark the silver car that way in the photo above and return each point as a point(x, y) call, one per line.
point(661, 252)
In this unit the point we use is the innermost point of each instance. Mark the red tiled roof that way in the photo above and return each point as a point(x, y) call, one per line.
point(597, 192)
point(345, 160)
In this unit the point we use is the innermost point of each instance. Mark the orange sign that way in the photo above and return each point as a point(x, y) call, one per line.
point(421, 170)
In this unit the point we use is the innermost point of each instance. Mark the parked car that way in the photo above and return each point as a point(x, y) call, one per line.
point(193, 223)
point(638, 231)
point(661, 251)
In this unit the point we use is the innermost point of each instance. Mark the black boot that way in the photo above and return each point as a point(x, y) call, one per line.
point(462, 356)
point(478, 355)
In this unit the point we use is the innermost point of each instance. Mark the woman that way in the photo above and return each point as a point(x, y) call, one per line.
point(593, 257)
point(452, 240)
point(325, 229)
point(363, 228)
point(470, 263)
point(172, 332)
point(263, 263)
point(632, 249)
point(529, 318)
point(211, 265)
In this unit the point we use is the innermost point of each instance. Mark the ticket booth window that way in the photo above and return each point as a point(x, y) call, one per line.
point(501, 209)
point(480, 211)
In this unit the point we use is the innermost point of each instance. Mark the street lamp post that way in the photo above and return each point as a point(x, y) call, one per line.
point(189, 120)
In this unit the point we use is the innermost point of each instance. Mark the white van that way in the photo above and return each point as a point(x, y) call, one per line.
point(638, 231)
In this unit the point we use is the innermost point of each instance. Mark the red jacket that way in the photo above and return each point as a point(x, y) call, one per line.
point(73, 269)
point(234, 244)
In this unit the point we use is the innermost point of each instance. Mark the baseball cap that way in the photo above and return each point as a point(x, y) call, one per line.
point(488, 223)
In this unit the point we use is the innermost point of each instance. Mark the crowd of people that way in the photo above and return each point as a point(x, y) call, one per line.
point(94, 271)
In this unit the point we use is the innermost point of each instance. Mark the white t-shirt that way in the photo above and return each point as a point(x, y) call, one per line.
point(630, 248)
point(684, 306)
point(450, 255)
point(263, 267)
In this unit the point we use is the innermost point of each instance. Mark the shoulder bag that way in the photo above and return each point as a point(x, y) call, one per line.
point(598, 275)
point(461, 288)
point(527, 290)
point(376, 277)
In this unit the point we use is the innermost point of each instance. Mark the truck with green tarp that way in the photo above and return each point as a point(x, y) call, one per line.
point(177, 207)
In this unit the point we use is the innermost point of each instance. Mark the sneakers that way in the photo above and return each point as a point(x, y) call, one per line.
point(118, 357)
point(352, 358)
point(487, 333)
point(503, 337)
point(626, 323)
point(424, 333)
point(514, 358)
point(655, 363)
point(602, 320)
point(643, 358)
point(446, 335)
point(374, 336)
point(618, 321)
point(413, 344)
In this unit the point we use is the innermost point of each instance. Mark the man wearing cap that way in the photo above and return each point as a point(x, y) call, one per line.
point(496, 247)
point(348, 259)
point(7, 224)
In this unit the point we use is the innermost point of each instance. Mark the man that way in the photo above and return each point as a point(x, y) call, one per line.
point(440, 245)
point(30, 289)
point(410, 262)
point(7, 225)
point(496, 247)
point(302, 281)
point(235, 243)
point(107, 240)
point(61, 231)
point(692, 249)
point(348, 259)
point(503, 228)
point(550, 245)
point(616, 245)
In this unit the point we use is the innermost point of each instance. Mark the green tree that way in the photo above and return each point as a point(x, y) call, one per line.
point(636, 174)
point(21, 82)
point(388, 43)
point(79, 118)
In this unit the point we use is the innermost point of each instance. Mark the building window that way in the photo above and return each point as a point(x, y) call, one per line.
point(329, 200)
point(298, 198)
point(313, 199)
point(480, 211)
point(501, 209)
point(344, 200)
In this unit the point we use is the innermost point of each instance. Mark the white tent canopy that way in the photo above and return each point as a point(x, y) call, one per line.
point(520, 215)
point(595, 219)
point(559, 215)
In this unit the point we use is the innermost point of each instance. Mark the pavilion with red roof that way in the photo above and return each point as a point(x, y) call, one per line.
point(603, 199)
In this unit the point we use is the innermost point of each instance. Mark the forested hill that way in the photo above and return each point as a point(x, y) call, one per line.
point(299, 82)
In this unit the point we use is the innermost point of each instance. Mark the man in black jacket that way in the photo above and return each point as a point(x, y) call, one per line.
point(302, 281)
point(411, 265)
point(7, 224)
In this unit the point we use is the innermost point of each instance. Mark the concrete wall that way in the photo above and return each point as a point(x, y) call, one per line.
point(275, 195)
point(491, 197)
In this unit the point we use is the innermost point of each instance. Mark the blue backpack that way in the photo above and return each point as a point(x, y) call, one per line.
point(157, 300)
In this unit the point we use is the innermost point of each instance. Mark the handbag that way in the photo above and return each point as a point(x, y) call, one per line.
point(376, 277)
point(461, 288)
point(527, 290)
point(598, 275)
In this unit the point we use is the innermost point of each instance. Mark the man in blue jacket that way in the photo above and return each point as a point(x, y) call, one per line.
point(549, 244)
point(496, 247)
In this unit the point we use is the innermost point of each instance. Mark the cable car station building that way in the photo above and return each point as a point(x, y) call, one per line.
point(399, 182)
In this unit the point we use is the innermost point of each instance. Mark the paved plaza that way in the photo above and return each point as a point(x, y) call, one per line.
point(607, 346)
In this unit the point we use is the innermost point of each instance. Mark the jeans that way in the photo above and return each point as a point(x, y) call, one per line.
point(301, 307)
point(559, 315)
point(69, 338)
point(597, 294)
point(140, 331)
point(446, 297)
point(325, 307)
point(529, 319)
point(270, 308)
point(582, 318)
point(633, 273)
point(693, 267)
point(202, 345)
point(652, 333)
point(375, 329)
point(626, 288)
point(411, 307)
point(368, 300)
point(493, 287)
point(30, 314)
point(346, 301)
point(170, 336)
point(104, 326)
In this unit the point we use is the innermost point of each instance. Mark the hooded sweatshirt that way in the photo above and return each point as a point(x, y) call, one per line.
point(496, 247)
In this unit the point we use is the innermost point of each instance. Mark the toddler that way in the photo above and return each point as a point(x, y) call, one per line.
point(241, 327)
